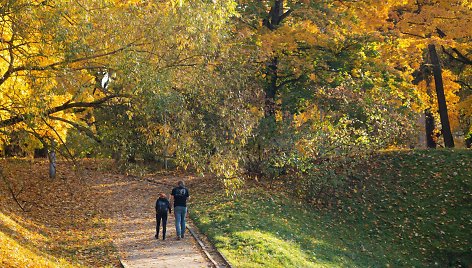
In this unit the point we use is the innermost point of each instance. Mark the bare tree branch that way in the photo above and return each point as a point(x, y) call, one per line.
point(67, 105)
point(412, 34)
point(460, 57)
point(61, 140)
point(12, 192)
point(54, 65)
point(464, 84)
point(247, 23)
point(79, 127)
point(286, 14)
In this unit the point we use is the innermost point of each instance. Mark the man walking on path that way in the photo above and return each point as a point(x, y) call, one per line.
point(179, 196)
point(162, 206)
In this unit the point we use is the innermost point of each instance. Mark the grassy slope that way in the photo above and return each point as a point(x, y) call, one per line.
point(412, 210)
point(19, 246)
point(61, 227)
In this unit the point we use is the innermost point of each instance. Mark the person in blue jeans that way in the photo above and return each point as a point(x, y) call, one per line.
point(179, 196)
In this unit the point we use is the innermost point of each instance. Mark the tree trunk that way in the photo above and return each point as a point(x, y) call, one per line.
point(272, 21)
point(429, 117)
point(429, 127)
point(271, 90)
point(437, 72)
point(276, 15)
point(52, 163)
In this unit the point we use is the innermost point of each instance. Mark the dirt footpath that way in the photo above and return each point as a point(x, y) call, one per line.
point(129, 204)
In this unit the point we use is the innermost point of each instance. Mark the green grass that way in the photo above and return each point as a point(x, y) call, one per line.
point(412, 210)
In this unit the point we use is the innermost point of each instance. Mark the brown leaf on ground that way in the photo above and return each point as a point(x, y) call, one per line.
point(89, 215)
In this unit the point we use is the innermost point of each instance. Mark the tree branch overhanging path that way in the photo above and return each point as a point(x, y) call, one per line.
point(67, 105)
point(87, 63)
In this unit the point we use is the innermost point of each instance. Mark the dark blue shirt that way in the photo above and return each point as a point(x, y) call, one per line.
point(180, 196)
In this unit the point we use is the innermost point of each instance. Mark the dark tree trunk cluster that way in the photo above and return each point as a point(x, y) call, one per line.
point(439, 85)
point(275, 17)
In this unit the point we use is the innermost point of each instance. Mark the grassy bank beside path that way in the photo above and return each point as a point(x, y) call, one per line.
point(411, 210)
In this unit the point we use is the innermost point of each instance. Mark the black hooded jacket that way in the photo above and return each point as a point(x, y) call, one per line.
point(162, 205)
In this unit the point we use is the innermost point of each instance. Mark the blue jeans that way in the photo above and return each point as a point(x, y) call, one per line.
point(180, 213)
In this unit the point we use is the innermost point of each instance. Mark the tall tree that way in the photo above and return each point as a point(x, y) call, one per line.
point(423, 74)
point(55, 56)
point(50, 57)
point(429, 117)
point(431, 24)
point(311, 56)
point(439, 85)
point(272, 21)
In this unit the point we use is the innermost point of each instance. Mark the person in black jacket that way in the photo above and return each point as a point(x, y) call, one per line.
point(179, 196)
point(162, 206)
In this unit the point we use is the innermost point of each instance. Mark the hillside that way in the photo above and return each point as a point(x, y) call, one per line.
point(413, 209)
point(62, 225)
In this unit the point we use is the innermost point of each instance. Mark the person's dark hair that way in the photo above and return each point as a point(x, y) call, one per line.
point(181, 184)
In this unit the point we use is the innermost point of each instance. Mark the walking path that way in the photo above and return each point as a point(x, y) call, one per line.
point(132, 221)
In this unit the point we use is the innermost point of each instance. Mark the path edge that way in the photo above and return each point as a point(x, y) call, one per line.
point(203, 247)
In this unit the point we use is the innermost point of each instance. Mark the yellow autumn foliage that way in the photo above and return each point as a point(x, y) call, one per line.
point(466, 106)
point(451, 89)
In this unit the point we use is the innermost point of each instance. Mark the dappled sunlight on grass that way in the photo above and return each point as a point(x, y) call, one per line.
point(15, 254)
point(27, 244)
point(10, 224)
point(413, 209)
point(21, 247)
point(255, 248)
point(259, 230)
